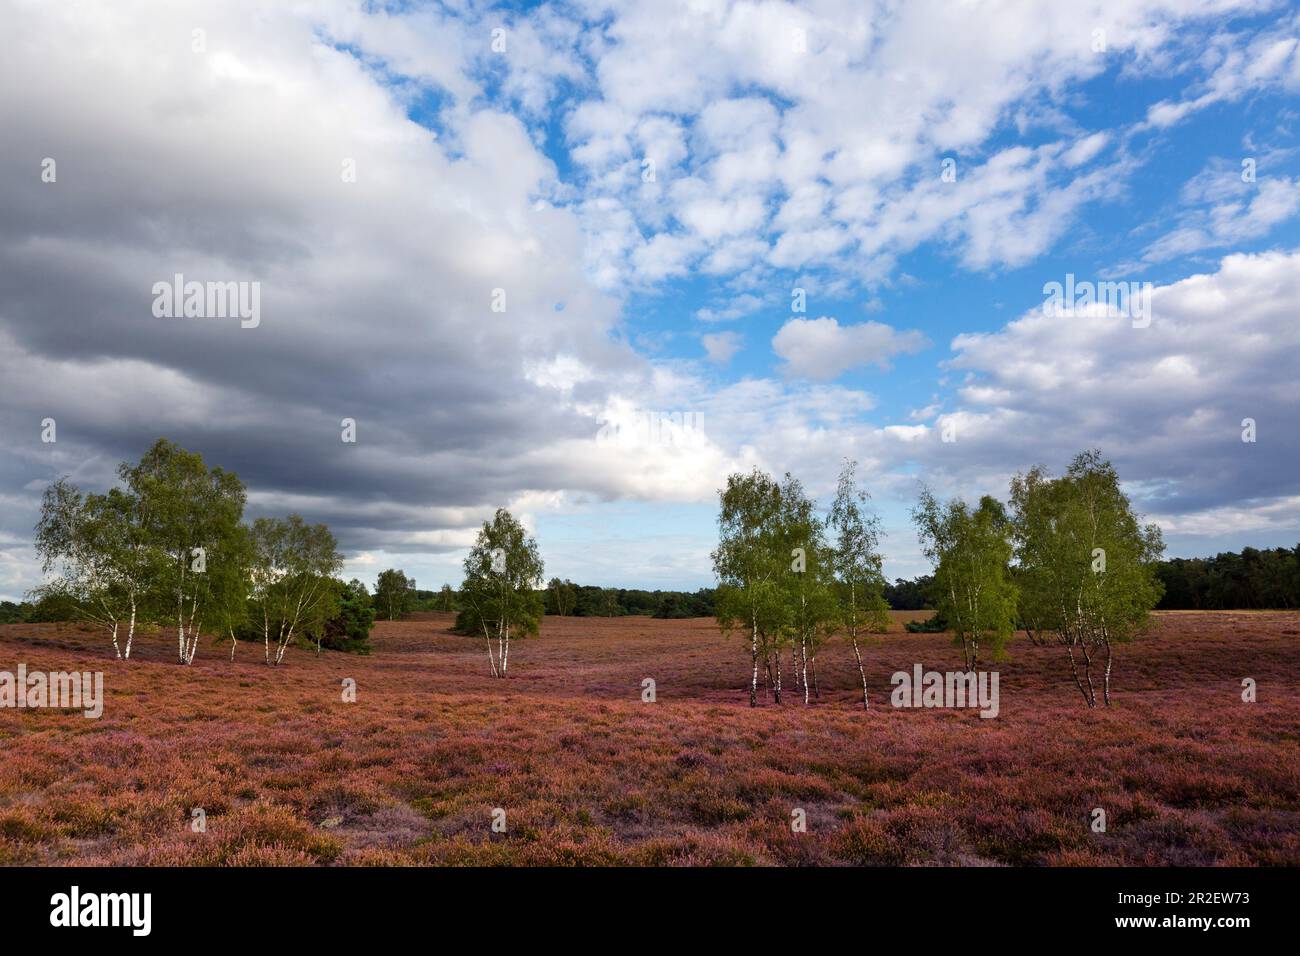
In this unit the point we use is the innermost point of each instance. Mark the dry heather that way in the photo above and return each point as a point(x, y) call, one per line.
point(288, 773)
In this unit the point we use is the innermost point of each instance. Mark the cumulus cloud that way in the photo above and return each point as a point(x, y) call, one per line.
point(228, 164)
point(1239, 211)
point(1242, 64)
point(387, 178)
point(832, 155)
point(1167, 402)
point(721, 347)
point(822, 349)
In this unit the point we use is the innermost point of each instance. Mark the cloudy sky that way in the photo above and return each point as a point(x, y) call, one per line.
point(584, 259)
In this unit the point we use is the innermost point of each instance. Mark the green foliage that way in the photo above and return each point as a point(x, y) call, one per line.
point(162, 549)
point(774, 568)
point(749, 563)
point(499, 597)
point(105, 563)
point(291, 587)
point(51, 607)
point(167, 548)
point(446, 598)
point(913, 595)
point(1086, 564)
point(934, 624)
point(973, 590)
point(230, 572)
point(188, 516)
point(1253, 578)
point(349, 628)
point(394, 594)
point(857, 563)
point(561, 597)
point(592, 601)
point(680, 605)
point(807, 584)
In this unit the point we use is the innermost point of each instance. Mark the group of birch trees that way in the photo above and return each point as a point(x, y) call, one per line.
point(1069, 562)
point(789, 578)
point(1086, 567)
point(168, 547)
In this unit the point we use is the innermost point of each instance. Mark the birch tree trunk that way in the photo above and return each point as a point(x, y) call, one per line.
point(853, 636)
point(487, 638)
point(130, 631)
point(284, 645)
point(1074, 669)
point(1087, 672)
point(803, 663)
point(501, 650)
point(1106, 679)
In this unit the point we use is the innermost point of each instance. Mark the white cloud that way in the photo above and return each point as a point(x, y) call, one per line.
point(822, 349)
point(1167, 401)
point(721, 347)
point(1243, 64)
point(1244, 211)
point(767, 156)
point(830, 158)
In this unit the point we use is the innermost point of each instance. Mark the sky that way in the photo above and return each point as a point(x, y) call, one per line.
point(583, 260)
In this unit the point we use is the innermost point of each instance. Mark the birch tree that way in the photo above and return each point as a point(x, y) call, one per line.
point(857, 565)
point(748, 563)
point(499, 597)
point(973, 588)
point(291, 580)
point(1087, 565)
point(96, 544)
point(806, 583)
point(230, 579)
point(192, 512)
point(446, 598)
point(393, 593)
point(562, 595)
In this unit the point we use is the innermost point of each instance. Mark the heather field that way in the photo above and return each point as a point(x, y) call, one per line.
point(286, 772)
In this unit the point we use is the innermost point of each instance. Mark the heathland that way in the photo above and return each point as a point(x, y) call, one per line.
point(576, 766)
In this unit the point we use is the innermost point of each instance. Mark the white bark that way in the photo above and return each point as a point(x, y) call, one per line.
point(130, 630)
point(803, 668)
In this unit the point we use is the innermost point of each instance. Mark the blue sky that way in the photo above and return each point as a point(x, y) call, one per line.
point(794, 146)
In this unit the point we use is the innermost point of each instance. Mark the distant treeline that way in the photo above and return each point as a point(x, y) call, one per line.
point(591, 601)
point(914, 595)
point(1253, 578)
point(1250, 579)
point(586, 600)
